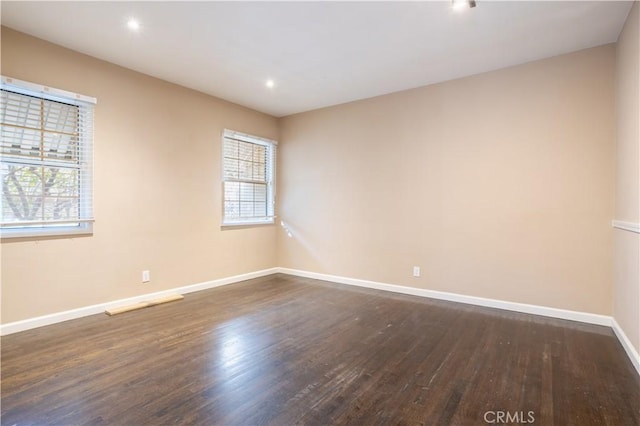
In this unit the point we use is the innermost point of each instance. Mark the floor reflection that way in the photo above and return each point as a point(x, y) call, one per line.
point(238, 364)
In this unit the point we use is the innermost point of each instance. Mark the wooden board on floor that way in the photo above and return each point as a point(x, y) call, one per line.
point(141, 305)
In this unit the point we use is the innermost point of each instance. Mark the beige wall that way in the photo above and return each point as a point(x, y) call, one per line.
point(498, 185)
point(157, 190)
point(626, 292)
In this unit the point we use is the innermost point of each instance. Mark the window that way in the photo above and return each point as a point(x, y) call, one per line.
point(248, 179)
point(45, 160)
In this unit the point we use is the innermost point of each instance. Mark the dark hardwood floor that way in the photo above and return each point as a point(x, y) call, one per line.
point(283, 350)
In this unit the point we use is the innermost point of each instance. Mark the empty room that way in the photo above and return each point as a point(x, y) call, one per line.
point(323, 213)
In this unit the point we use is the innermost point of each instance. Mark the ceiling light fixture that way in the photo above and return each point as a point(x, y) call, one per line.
point(462, 4)
point(270, 84)
point(133, 24)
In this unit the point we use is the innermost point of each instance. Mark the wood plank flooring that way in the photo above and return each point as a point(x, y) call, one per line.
point(283, 350)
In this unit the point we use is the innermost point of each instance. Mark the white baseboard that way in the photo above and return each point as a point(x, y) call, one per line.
point(626, 344)
point(14, 327)
point(454, 297)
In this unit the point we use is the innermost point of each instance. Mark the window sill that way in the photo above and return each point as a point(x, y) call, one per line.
point(234, 225)
point(35, 233)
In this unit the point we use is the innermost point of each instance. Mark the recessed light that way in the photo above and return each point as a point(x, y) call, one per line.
point(133, 24)
point(270, 84)
point(459, 5)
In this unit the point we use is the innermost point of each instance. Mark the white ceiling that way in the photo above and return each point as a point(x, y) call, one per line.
point(318, 53)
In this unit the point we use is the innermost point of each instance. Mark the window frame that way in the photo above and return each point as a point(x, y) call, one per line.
point(270, 180)
point(52, 228)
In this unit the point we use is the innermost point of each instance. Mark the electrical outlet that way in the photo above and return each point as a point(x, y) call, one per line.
point(416, 271)
point(146, 276)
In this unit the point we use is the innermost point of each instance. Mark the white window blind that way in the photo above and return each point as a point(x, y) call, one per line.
point(46, 160)
point(248, 179)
